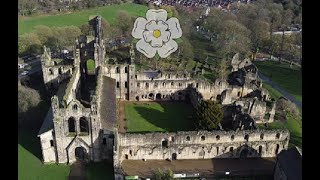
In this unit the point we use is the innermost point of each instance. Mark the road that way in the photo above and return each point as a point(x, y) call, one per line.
point(283, 92)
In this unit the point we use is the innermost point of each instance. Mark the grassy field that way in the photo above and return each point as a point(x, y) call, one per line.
point(290, 79)
point(293, 123)
point(152, 116)
point(26, 24)
point(272, 92)
point(29, 164)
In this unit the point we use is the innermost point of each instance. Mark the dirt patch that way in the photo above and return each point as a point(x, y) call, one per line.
point(205, 167)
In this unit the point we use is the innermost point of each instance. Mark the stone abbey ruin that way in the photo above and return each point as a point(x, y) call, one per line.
point(82, 120)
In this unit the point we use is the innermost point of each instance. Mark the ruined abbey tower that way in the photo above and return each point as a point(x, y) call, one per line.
point(82, 120)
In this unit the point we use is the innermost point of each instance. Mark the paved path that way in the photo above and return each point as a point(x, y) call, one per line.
point(205, 167)
point(78, 171)
point(283, 92)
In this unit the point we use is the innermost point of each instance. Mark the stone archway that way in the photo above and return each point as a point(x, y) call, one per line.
point(158, 96)
point(174, 156)
point(80, 153)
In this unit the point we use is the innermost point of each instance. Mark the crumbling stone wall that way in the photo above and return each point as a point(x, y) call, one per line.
point(202, 144)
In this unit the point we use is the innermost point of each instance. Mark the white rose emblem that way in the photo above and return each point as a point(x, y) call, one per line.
point(156, 33)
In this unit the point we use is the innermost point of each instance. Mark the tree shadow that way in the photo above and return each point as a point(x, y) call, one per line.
point(176, 116)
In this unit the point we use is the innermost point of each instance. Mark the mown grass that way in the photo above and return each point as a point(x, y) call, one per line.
point(26, 25)
point(29, 164)
point(289, 79)
point(153, 116)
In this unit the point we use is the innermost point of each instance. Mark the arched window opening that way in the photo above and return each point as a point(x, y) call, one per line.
point(72, 124)
point(261, 136)
point(239, 94)
point(217, 137)
point(188, 138)
point(51, 71)
point(130, 152)
point(51, 143)
point(60, 71)
point(126, 69)
point(203, 138)
point(84, 126)
point(217, 150)
point(277, 135)
point(164, 143)
point(231, 149)
point(117, 70)
point(232, 137)
point(246, 137)
point(118, 84)
point(260, 150)
point(75, 107)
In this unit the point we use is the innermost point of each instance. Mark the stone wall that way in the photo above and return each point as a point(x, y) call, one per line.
point(202, 145)
point(48, 147)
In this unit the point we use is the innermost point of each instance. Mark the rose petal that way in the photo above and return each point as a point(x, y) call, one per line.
point(138, 27)
point(156, 42)
point(174, 28)
point(165, 36)
point(148, 36)
point(153, 25)
point(145, 48)
point(168, 48)
point(159, 14)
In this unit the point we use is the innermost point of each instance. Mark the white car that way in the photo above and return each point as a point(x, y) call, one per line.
point(24, 73)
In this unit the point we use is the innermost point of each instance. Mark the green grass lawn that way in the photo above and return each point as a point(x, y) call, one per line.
point(272, 92)
point(290, 79)
point(169, 116)
point(26, 24)
point(29, 164)
point(293, 123)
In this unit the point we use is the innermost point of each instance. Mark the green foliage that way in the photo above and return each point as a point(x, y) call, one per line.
point(163, 175)
point(124, 22)
point(27, 98)
point(28, 42)
point(208, 115)
point(90, 65)
point(143, 117)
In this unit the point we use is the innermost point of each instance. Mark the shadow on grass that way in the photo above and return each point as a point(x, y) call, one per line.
point(174, 117)
point(29, 126)
point(100, 170)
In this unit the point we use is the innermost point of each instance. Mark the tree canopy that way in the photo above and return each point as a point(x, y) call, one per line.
point(208, 115)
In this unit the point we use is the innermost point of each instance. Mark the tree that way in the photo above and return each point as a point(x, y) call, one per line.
point(27, 99)
point(222, 69)
point(163, 175)
point(235, 38)
point(186, 49)
point(27, 41)
point(43, 32)
point(85, 29)
point(124, 22)
point(208, 115)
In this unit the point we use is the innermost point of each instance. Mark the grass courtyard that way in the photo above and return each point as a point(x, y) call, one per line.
point(26, 24)
point(162, 116)
point(289, 79)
